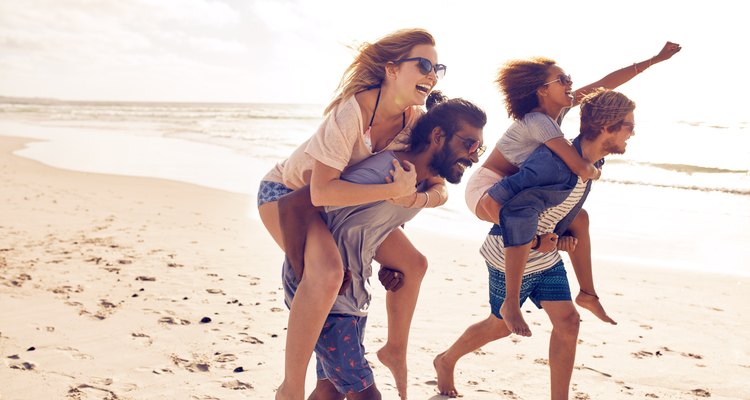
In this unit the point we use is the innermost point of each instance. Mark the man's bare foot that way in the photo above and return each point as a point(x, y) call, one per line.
point(397, 364)
point(591, 302)
point(514, 320)
point(445, 384)
point(282, 393)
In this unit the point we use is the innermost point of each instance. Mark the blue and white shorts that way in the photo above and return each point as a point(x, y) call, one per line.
point(271, 191)
point(340, 354)
point(547, 285)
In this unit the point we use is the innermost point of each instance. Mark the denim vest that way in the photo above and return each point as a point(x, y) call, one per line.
point(543, 181)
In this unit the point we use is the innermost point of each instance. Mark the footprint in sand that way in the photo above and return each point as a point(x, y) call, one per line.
point(192, 366)
point(691, 355)
point(23, 365)
point(700, 393)
point(642, 354)
point(81, 391)
point(581, 396)
point(106, 308)
point(237, 385)
point(173, 321)
point(225, 358)
point(252, 340)
point(509, 394)
point(143, 336)
point(75, 353)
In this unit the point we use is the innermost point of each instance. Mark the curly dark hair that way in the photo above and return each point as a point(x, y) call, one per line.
point(519, 80)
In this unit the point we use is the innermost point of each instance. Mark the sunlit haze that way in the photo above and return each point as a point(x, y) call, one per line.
point(294, 51)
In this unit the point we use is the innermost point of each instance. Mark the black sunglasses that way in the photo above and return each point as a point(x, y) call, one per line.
point(563, 79)
point(425, 66)
point(472, 145)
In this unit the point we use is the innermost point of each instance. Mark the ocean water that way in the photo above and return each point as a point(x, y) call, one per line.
point(696, 169)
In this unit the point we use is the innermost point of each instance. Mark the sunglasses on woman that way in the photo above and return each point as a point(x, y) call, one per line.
point(425, 66)
point(472, 145)
point(564, 80)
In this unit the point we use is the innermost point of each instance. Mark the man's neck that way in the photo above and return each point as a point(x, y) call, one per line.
point(421, 162)
point(592, 150)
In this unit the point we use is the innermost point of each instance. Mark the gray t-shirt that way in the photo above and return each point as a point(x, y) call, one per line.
point(358, 231)
point(525, 135)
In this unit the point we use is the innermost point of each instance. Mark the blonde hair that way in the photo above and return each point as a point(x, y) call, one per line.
point(368, 68)
point(519, 80)
point(603, 108)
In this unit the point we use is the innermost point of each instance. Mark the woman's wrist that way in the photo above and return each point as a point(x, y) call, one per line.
point(413, 202)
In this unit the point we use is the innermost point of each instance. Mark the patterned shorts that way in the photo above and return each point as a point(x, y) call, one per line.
point(547, 285)
point(271, 191)
point(340, 354)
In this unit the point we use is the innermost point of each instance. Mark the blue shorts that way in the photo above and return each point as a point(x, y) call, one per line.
point(271, 191)
point(340, 354)
point(547, 285)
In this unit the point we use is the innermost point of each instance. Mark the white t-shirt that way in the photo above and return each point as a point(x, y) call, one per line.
point(338, 143)
point(525, 135)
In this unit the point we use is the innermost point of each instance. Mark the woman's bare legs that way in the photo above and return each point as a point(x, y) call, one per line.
point(398, 253)
point(475, 336)
point(582, 265)
point(313, 300)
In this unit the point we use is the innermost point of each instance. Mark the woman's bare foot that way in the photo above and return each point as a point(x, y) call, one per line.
point(514, 320)
point(445, 384)
point(591, 302)
point(397, 364)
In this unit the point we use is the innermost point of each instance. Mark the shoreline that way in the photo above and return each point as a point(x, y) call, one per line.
point(108, 277)
point(626, 217)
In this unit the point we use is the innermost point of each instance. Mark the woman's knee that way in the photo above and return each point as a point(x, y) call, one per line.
point(581, 220)
point(419, 265)
point(326, 277)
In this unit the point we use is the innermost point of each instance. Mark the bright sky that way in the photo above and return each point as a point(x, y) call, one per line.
point(294, 51)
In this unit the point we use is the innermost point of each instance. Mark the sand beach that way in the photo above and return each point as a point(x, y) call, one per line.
point(118, 287)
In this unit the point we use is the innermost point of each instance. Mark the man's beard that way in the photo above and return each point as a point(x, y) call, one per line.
point(611, 147)
point(444, 164)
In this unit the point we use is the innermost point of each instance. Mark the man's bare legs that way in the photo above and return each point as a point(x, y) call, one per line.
point(313, 300)
point(562, 345)
point(398, 253)
point(582, 265)
point(515, 263)
point(476, 336)
point(325, 390)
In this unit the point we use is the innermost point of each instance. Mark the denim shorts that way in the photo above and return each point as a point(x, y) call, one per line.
point(547, 285)
point(271, 191)
point(340, 354)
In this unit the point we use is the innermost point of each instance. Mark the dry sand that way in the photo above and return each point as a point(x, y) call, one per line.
point(104, 281)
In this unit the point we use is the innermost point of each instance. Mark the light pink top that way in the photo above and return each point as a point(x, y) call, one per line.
point(338, 143)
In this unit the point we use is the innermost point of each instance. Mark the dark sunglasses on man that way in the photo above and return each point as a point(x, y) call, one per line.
point(472, 145)
point(425, 66)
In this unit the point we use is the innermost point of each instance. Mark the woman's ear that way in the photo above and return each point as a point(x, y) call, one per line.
point(543, 91)
point(390, 70)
